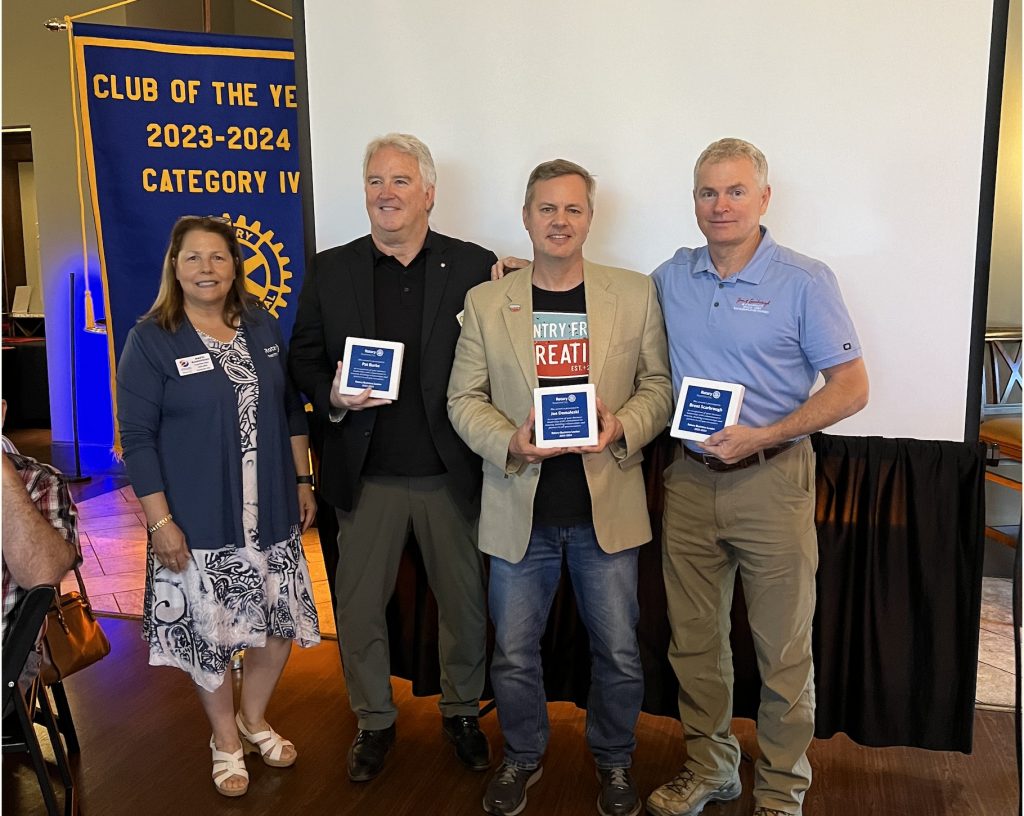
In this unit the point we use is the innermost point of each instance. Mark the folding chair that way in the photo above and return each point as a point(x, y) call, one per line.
point(24, 700)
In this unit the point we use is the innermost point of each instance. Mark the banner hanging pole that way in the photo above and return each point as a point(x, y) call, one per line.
point(56, 24)
point(90, 312)
point(270, 8)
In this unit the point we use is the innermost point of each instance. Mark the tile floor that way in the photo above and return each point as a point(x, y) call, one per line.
point(996, 669)
point(113, 533)
point(113, 536)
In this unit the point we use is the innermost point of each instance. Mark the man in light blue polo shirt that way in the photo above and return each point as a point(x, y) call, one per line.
point(745, 310)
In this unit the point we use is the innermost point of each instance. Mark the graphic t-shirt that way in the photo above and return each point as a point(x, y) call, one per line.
point(561, 349)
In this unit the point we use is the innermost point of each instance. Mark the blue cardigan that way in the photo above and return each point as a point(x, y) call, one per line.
point(180, 434)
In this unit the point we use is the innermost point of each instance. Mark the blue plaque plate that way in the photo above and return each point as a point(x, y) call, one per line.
point(705, 407)
point(565, 416)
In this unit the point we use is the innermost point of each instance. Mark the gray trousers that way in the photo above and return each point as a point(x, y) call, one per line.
point(371, 539)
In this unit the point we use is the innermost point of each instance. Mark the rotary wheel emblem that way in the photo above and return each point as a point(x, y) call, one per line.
point(264, 262)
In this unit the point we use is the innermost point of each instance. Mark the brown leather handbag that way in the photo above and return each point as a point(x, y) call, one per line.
point(74, 638)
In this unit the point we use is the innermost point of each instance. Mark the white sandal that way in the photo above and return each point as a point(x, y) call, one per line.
point(225, 766)
point(269, 744)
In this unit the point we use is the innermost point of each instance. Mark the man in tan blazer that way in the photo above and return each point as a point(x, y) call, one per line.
point(562, 321)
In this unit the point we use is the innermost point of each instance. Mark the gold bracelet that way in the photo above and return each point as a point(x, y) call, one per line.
point(154, 527)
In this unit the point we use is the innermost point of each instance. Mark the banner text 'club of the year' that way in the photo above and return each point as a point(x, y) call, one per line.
point(190, 124)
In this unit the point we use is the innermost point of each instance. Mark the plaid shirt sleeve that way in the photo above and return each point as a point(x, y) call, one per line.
point(49, 493)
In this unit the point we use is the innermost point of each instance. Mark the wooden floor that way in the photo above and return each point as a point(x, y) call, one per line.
point(144, 752)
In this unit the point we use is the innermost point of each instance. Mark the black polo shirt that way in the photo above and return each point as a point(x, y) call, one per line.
point(401, 444)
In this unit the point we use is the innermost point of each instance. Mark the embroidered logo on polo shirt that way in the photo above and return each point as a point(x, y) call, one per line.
point(745, 304)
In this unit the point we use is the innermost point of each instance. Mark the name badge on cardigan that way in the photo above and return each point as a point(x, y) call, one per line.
point(194, 365)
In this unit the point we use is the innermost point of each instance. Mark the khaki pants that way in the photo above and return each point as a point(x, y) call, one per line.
point(760, 520)
point(371, 539)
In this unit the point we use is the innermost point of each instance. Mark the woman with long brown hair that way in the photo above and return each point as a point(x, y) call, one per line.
point(215, 443)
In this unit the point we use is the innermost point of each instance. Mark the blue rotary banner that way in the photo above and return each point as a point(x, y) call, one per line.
point(177, 124)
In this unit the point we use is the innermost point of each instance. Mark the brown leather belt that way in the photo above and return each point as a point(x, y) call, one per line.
point(718, 466)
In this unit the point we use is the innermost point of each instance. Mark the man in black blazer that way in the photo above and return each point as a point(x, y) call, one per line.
point(388, 467)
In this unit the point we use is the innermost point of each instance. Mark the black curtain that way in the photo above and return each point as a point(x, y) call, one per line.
point(901, 538)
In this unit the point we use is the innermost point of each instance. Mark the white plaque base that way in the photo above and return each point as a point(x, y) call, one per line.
point(565, 416)
point(374, 364)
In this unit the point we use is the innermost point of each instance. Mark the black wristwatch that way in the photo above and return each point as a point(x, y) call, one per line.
point(305, 479)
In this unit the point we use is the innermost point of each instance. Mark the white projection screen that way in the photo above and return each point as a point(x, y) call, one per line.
point(871, 115)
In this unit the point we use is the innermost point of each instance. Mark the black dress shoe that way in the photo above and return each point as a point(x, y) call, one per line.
point(368, 752)
point(471, 744)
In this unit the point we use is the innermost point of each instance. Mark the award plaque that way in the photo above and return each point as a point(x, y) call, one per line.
point(565, 416)
point(705, 407)
point(373, 364)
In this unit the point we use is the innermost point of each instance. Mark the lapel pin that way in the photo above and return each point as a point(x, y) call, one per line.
point(514, 307)
point(442, 264)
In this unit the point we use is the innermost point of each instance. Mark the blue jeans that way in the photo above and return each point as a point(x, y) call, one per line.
point(520, 597)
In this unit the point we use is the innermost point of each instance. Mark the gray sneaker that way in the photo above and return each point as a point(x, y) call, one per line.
point(687, 794)
point(506, 792)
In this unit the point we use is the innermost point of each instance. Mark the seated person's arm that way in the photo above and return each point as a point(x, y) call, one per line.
point(35, 552)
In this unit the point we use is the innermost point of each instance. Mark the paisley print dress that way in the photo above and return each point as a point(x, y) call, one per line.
point(232, 598)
